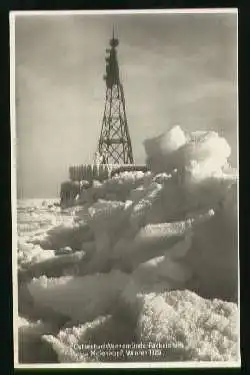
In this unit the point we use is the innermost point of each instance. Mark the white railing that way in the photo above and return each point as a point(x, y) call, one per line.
point(101, 172)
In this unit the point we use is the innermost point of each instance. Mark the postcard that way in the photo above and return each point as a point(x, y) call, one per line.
point(124, 135)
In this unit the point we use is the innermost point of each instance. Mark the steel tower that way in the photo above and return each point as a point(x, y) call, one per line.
point(114, 143)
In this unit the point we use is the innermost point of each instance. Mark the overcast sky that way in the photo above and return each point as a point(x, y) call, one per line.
point(175, 68)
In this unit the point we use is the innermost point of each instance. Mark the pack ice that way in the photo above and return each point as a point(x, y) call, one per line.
point(143, 257)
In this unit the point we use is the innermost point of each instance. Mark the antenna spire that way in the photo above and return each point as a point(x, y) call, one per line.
point(114, 41)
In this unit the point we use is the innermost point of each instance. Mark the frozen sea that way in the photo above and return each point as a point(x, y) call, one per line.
point(144, 258)
point(34, 218)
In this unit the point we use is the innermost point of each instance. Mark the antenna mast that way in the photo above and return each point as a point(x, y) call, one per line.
point(114, 145)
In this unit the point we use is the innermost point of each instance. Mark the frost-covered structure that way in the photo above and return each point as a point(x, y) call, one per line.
point(142, 257)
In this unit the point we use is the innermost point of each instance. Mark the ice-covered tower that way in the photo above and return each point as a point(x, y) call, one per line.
point(114, 143)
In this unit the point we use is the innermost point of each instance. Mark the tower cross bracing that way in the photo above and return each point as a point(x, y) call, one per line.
point(114, 145)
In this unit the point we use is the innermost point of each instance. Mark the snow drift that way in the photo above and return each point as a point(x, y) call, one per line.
point(79, 298)
point(197, 329)
point(31, 347)
point(200, 153)
point(194, 329)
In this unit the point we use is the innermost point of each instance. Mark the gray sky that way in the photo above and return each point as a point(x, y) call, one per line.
point(175, 68)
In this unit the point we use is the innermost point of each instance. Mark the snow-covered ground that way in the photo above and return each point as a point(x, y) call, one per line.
point(144, 267)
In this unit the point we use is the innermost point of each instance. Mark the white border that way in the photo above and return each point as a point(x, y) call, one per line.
point(238, 188)
point(125, 11)
point(140, 365)
point(191, 364)
point(13, 186)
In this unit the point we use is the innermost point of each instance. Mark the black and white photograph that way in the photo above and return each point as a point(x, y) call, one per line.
point(124, 180)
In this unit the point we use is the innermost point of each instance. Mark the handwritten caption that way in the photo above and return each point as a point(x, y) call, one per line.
point(108, 350)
